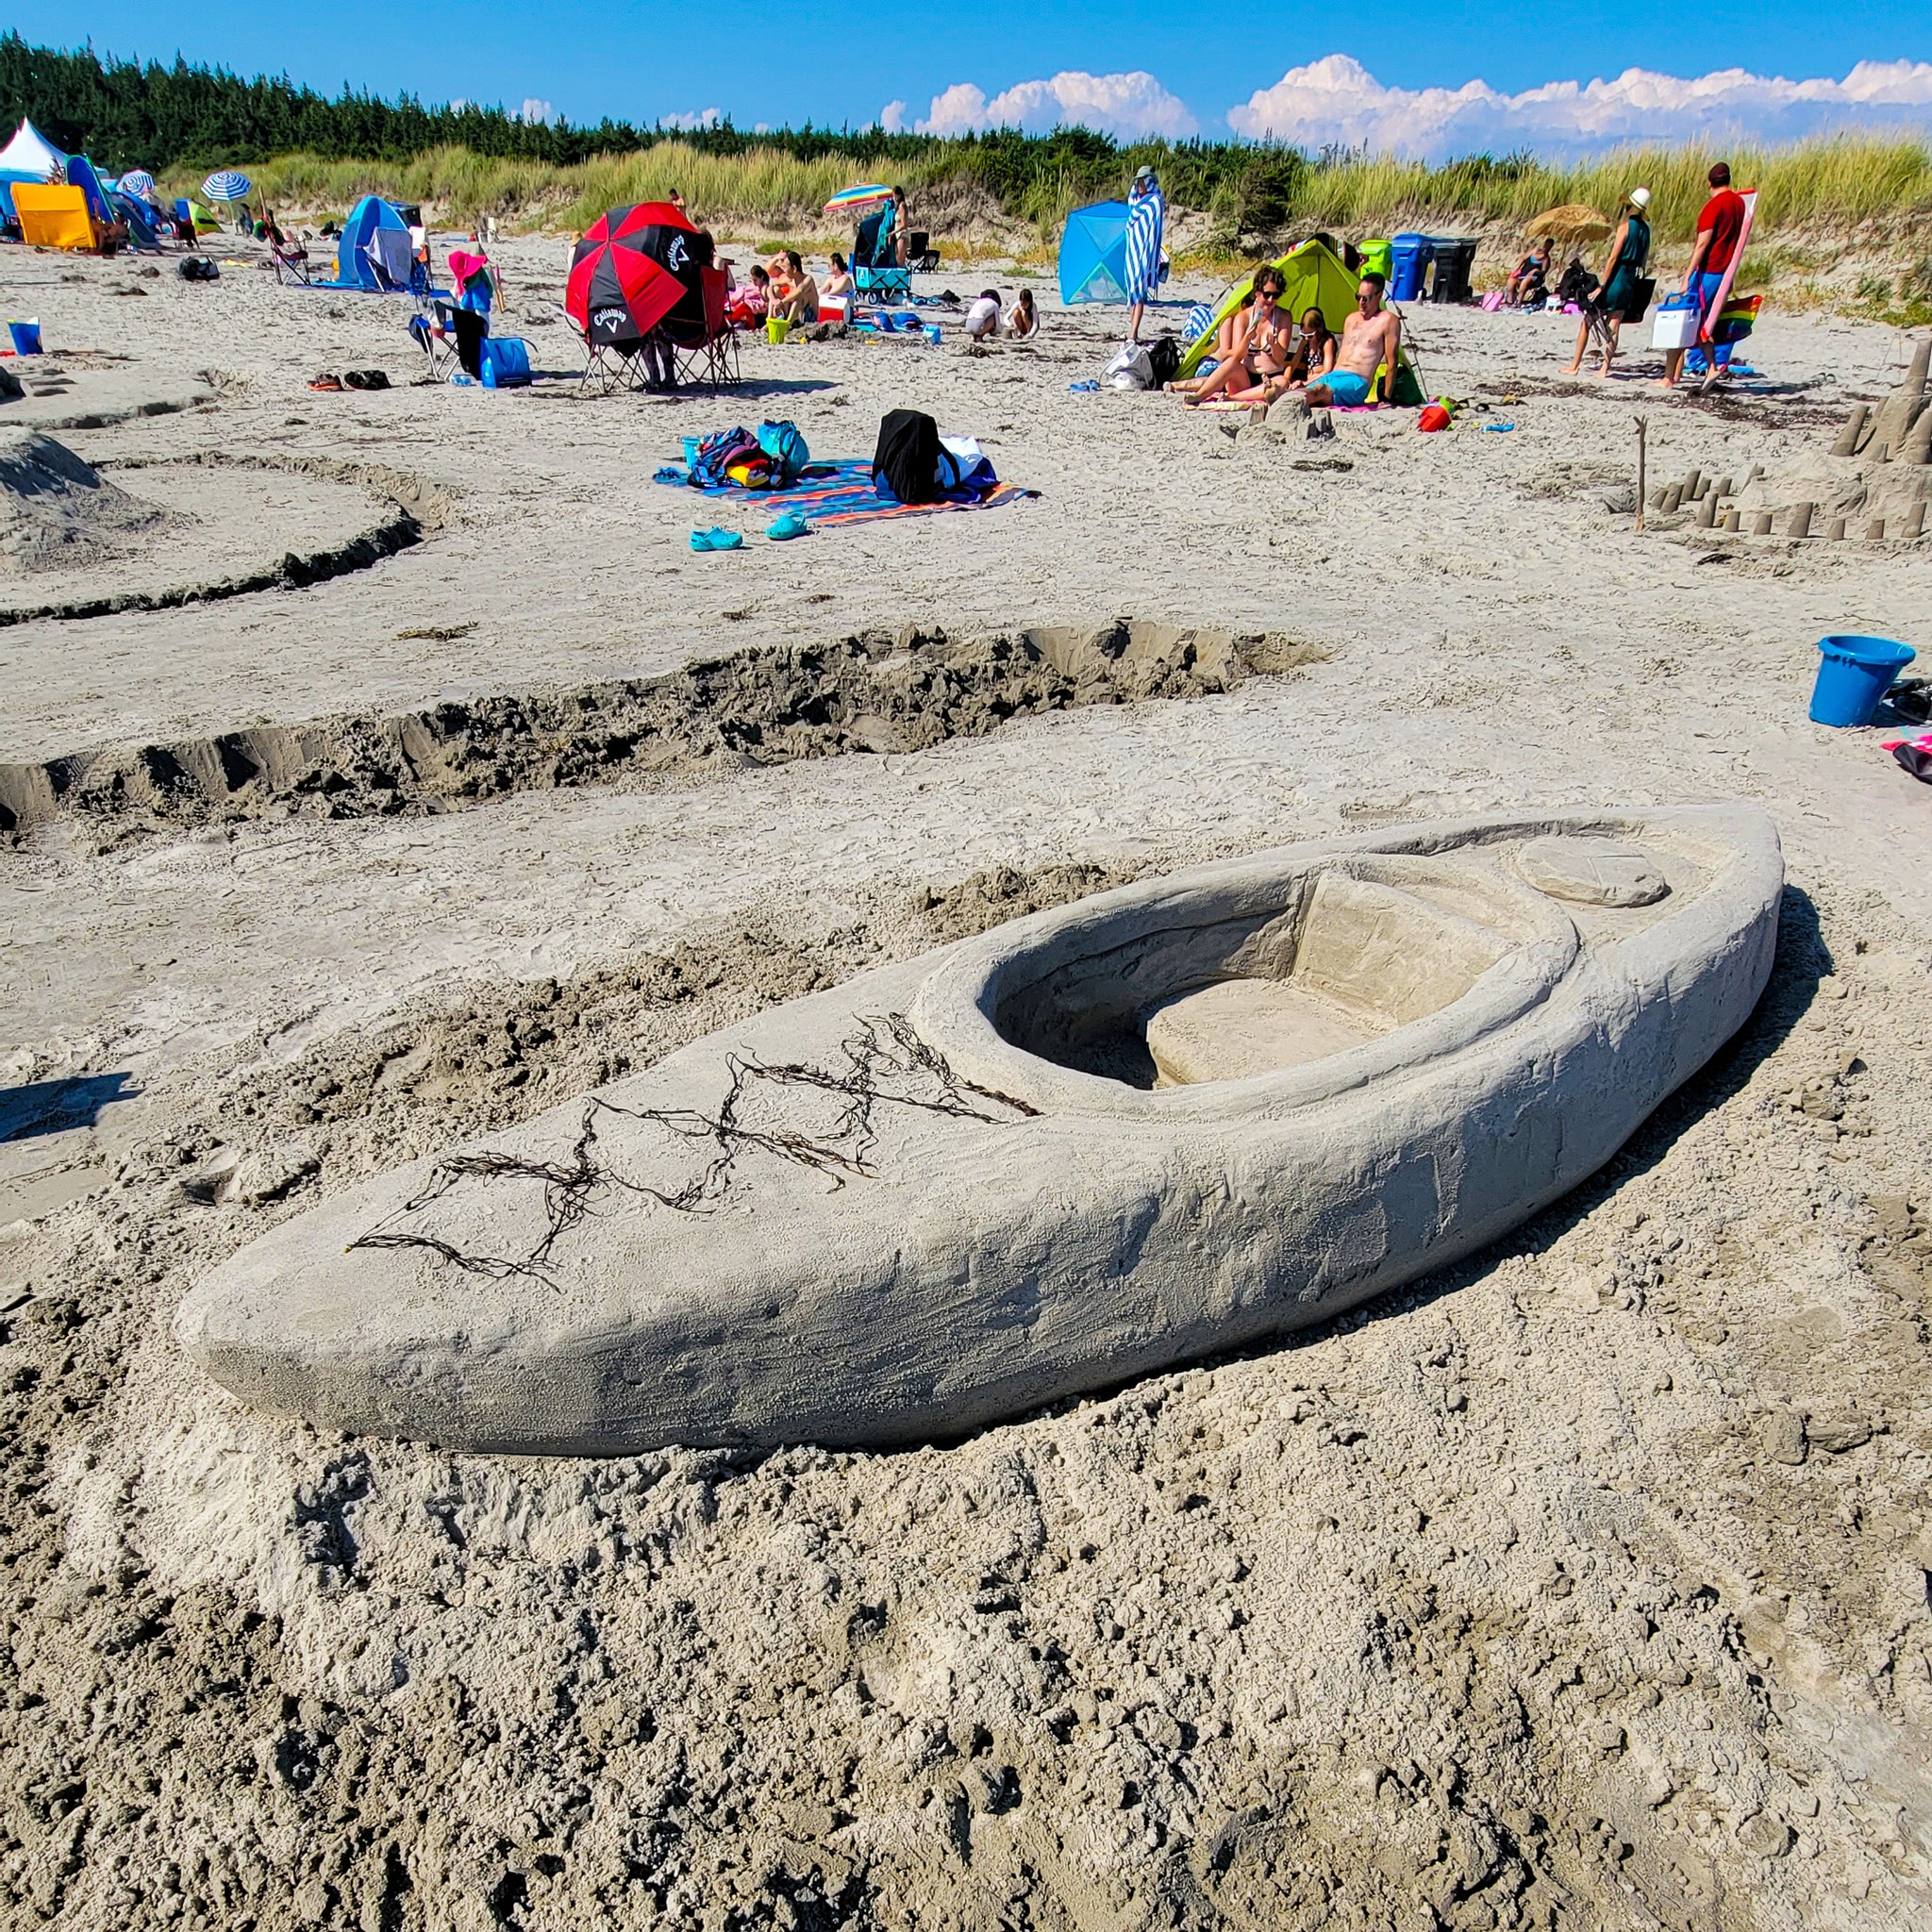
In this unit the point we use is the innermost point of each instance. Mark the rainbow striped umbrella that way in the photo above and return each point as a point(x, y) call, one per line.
point(226, 185)
point(854, 200)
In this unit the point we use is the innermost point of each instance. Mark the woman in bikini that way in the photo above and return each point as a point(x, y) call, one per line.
point(1225, 336)
point(1256, 370)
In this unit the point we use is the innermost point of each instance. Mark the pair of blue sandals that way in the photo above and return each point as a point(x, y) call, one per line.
point(780, 531)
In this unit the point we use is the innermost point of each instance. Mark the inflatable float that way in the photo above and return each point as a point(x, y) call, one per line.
point(1096, 1142)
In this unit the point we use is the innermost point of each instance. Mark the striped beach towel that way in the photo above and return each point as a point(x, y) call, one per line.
point(1146, 218)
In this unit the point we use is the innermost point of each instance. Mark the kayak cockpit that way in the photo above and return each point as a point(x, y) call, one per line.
point(1270, 970)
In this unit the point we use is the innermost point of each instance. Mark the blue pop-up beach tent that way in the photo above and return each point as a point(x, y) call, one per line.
point(1093, 253)
point(375, 251)
point(81, 175)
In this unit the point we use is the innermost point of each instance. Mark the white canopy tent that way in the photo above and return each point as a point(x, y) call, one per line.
point(30, 153)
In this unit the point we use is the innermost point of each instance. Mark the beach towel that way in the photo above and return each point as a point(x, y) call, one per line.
point(830, 494)
point(1146, 218)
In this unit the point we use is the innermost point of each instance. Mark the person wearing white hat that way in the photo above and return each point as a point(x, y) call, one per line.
point(1623, 297)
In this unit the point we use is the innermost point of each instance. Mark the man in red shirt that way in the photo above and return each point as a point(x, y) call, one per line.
point(1720, 227)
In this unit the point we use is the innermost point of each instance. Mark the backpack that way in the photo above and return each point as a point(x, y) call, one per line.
point(198, 267)
point(906, 461)
point(721, 451)
point(1164, 361)
point(786, 447)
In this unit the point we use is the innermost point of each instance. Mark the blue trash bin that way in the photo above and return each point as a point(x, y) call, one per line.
point(1408, 261)
point(1853, 675)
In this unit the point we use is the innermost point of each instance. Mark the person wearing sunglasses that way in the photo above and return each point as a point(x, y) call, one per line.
point(1257, 370)
point(1371, 340)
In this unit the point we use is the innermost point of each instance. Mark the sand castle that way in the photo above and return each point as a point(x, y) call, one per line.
point(1168, 1120)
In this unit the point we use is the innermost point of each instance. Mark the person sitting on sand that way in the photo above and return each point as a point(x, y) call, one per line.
point(1314, 351)
point(1023, 320)
point(1531, 271)
point(751, 302)
point(1623, 280)
point(1255, 370)
point(983, 317)
point(840, 281)
point(1371, 339)
point(800, 302)
point(1225, 336)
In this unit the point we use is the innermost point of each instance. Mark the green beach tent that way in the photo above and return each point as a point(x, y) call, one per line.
point(1315, 278)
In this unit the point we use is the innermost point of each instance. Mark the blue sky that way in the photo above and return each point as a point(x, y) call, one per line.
point(831, 60)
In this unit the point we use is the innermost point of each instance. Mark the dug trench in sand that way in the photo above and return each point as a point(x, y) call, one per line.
point(1580, 1584)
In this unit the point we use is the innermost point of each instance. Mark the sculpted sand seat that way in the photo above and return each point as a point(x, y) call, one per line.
point(1094, 1143)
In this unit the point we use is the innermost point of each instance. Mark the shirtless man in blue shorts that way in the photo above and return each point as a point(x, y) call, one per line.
point(1369, 337)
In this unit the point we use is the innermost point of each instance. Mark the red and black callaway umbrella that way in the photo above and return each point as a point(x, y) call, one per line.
point(635, 268)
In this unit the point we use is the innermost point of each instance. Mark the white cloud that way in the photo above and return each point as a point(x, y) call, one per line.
point(1126, 105)
point(533, 110)
point(1337, 99)
point(705, 117)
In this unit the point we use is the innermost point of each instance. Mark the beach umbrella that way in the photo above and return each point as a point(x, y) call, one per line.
point(635, 268)
point(138, 181)
point(1575, 221)
point(852, 201)
point(226, 185)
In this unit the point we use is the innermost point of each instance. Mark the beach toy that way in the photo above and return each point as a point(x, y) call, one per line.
point(1853, 675)
point(690, 449)
point(932, 333)
point(27, 335)
point(777, 328)
point(1439, 415)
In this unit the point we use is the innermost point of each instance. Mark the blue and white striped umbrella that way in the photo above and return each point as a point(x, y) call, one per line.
point(138, 181)
point(226, 185)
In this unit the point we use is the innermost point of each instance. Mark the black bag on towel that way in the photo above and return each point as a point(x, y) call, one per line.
point(907, 462)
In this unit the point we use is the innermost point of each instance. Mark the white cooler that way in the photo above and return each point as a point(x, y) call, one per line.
point(1675, 327)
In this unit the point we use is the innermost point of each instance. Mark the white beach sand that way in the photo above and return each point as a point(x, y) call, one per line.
point(1584, 1585)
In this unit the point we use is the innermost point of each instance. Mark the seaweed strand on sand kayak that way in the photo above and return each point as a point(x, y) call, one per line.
point(884, 1045)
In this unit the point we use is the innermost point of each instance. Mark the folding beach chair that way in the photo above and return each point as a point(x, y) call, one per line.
point(708, 361)
point(611, 368)
point(451, 337)
point(292, 262)
point(1598, 322)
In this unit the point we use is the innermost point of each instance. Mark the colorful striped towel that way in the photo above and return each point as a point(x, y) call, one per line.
point(833, 494)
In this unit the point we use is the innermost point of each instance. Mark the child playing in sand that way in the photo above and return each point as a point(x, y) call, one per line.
point(1023, 320)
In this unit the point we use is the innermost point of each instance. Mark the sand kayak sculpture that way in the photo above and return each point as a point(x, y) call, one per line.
point(1161, 1122)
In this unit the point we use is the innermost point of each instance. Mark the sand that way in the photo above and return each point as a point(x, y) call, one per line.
point(1585, 1585)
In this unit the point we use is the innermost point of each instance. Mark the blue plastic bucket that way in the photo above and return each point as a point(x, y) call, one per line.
point(690, 450)
point(1853, 675)
point(26, 336)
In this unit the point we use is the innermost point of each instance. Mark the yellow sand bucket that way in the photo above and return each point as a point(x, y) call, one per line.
point(777, 329)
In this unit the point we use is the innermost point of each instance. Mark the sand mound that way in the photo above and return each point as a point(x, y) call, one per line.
point(57, 513)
